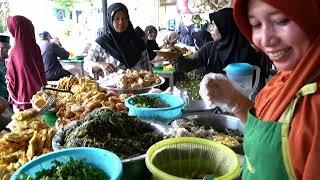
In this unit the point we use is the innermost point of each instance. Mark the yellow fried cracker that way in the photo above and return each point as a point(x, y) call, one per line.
point(32, 148)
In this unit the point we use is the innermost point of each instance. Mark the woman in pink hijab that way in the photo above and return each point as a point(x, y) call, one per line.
point(25, 74)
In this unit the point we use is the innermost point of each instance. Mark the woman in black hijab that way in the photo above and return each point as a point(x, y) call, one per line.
point(151, 33)
point(119, 48)
point(229, 46)
point(201, 37)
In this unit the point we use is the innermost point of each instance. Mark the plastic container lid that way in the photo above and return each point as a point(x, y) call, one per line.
point(239, 69)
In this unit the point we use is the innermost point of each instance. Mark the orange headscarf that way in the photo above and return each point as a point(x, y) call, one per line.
point(274, 98)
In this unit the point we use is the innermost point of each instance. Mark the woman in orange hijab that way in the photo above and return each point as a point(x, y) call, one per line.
point(282, 126)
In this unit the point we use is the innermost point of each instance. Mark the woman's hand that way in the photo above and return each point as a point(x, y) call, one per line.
point(107, 67)
point(218, 90)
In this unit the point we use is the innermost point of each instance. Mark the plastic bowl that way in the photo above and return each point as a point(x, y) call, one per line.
point(50, 117)
point(191, 158)
point(163, 115)
point(101, 159)
point(158, 65)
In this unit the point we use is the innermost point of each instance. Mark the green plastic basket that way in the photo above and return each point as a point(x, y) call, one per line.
point(191, 158)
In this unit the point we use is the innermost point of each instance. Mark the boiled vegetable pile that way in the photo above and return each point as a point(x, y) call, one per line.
point(114, 131)
point(146, 101)
point(74, 169)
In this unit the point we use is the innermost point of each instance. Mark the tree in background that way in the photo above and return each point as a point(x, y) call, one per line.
point(66, 4)
point(4, 13)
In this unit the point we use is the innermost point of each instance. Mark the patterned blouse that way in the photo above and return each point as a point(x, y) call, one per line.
point(97, 54)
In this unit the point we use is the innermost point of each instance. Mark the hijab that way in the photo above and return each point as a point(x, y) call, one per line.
point(170, 39)
point(139, 32)
point(5, 39)
point(233, 47)
point(126, 46)
point(151, 44)
point(201, 37)
point(25, 74)
point(150, 28)
point(279, 92)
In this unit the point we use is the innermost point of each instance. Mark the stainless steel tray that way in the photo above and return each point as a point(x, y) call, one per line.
point(132, 91)
point(218, 121)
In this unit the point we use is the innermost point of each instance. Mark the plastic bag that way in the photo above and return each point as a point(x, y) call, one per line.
point(217, 89)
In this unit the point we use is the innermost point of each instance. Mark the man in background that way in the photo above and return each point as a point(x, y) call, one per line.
point(51, 49)
point(4, 49)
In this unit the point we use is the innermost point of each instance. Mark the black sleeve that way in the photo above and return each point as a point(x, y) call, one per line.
point(203, 54)
point(60, 52)
point(186, 64)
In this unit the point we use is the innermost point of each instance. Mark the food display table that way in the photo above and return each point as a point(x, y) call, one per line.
point(165, 74)
point(74, 66)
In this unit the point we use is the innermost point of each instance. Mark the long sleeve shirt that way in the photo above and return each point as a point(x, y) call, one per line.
point(98, 54)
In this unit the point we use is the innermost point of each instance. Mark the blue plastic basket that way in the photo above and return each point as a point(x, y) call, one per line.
point(101, 159)
point(164, 115)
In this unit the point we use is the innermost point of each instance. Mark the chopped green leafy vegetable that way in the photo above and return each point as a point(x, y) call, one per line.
point(146, 101)
point(72, 170)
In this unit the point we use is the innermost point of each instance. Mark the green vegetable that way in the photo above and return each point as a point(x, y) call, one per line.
point(118, 132)
point(72, 170)
point(148, 102)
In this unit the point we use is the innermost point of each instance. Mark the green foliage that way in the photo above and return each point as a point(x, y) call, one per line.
point(73, 169)
point(70, 4)
point(66, 4)
point(197, 20)
point(90, 2)
point(4, 13)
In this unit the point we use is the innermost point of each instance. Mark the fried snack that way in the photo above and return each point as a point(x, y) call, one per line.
point(48, 142)
point(120, 106)
point(24, 114)
point(32, 148)
point(123, 97)
point(18, 137)
point(93, 105)
point(67, 82)
point(87, 95)
point(29, 139)
point(136, 80)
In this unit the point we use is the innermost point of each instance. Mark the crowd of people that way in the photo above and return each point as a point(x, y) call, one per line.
point(126, 47)
point(281, 138)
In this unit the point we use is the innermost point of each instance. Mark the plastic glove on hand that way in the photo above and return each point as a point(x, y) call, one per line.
point(217, 89)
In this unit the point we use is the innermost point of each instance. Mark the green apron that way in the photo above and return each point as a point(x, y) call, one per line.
point(266, 145)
